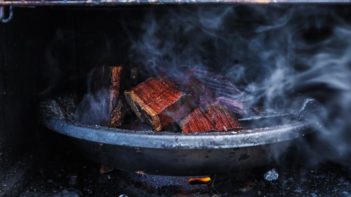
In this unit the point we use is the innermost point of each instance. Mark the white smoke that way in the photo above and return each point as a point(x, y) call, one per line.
point(279, 55)
point(94, 109)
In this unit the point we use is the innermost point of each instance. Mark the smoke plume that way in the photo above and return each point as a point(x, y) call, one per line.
point(279, 56)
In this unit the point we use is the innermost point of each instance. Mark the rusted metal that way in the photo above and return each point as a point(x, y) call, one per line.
point(122, 2)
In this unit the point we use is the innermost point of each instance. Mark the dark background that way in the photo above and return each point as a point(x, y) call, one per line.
point(46, 51)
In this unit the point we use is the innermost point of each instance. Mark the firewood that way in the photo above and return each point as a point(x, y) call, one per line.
point(213, 117)
point(102, 104)
point(116, 115)
point(208, 87)
point(196, 121)
point(115, 104)
point(116, 73)
point(221, 118)
point(234, 105)
point(158, 102)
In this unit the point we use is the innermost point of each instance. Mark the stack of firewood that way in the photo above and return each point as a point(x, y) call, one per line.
point(193, 105)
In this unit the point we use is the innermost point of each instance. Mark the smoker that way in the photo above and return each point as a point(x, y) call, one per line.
point(289, 59)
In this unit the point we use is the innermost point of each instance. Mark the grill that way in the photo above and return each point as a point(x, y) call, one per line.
point(174, 154)
point(284, 63)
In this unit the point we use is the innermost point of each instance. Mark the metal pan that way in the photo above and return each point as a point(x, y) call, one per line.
point(170, 153)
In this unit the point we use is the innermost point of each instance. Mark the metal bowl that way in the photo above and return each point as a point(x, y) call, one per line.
point(170, 153)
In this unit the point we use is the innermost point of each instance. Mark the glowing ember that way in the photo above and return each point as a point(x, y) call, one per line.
point(199, 180)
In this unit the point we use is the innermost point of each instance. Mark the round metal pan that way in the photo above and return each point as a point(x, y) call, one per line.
point(170, 153)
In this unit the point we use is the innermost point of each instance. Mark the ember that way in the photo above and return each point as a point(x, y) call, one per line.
point(199, 180)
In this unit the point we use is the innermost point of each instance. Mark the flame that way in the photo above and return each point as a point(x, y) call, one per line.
point(199, 180)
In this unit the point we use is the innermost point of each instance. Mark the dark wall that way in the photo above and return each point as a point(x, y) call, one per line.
point(44, 51)
point(20, 49)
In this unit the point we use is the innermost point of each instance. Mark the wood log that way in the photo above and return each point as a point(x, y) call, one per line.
point(208, 87)
point(116, 115)
point(221, 118)
point(102, 104)
point(196, 121)
point(213, 117)
point(115, 103)
point(158, 102)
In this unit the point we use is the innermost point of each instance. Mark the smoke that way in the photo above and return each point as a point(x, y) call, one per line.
point(279, 56)
point(93, 109)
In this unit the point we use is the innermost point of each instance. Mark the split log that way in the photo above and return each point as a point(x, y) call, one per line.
point(115, 103)
point(208, 87)
point(213, 117)
point(106, 82)
point(158, 102)
point(196, 121)
point(116, 115)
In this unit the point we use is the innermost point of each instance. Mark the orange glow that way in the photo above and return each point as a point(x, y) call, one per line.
point(199, 180)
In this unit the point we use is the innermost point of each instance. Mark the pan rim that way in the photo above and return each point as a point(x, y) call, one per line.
point(168, 140)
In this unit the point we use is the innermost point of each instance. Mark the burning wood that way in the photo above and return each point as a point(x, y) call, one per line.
point(116, 73)
point(213, 117)
point(196, 121)
point(233, 105)
point(208, 87)
point(116, 115)
point(102, 104)
point(115, 105)
point(199, 103)
point(158, 102)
